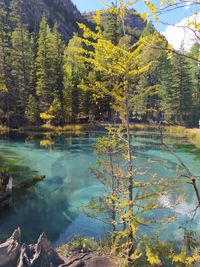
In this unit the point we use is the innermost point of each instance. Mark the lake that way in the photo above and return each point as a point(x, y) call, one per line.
point(54, 206)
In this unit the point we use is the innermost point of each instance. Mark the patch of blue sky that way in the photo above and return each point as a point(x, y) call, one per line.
point(166, 18)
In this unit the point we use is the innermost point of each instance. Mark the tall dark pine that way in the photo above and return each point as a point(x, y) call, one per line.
point(21, 59)
point(195, 73)
point(5, 77)
point(45, 81)
point(57, 65)
point(112, 27)
point(181, 89)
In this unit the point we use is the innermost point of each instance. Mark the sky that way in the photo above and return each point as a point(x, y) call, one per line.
point(179, 17)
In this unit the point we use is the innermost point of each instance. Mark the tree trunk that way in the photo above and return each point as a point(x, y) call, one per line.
point(130, 181)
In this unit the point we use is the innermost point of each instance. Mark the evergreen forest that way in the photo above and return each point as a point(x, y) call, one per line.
point(41, 77)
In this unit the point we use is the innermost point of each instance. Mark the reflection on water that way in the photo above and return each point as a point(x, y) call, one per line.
point(53, 205)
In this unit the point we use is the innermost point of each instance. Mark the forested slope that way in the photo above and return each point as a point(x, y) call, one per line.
point(41, 76)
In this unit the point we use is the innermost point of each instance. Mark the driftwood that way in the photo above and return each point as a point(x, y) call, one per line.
point(15, 254)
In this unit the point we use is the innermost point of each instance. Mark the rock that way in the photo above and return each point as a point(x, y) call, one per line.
point(99, 261)
point(44, 255)
point(23, 258)
point(90, 259)
point(15, 254)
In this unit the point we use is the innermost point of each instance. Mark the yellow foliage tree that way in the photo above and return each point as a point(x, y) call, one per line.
point(121, 67)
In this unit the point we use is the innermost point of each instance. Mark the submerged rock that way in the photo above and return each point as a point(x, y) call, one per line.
point(15, 254)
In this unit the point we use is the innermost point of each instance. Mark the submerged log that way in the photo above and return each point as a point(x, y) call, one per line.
point(29, 182)
point(7, 187)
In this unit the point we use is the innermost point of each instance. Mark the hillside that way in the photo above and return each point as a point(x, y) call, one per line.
point(66, 14)
point(62, 11)
point(132, 21)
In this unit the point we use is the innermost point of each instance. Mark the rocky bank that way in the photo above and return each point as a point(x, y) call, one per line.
point(13, 253)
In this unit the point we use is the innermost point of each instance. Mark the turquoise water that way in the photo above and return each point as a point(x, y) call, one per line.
point(54, 205)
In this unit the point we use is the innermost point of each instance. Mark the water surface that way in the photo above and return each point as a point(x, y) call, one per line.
point(54, 205)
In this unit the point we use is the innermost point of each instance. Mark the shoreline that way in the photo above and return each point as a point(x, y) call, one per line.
point(193, 134)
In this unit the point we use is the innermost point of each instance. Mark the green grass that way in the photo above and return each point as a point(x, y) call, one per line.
point(194, 136)
point(176, 129)
point(66, 128)
point(83, 127)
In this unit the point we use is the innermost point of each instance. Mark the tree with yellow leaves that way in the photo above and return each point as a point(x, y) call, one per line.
point(116, 71)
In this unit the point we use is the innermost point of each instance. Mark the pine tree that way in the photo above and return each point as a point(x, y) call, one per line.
point(112, 26)
point(195, 74)
point(33, 65)
point(17, 13)
point(181, 89)
point(148, 29)
point(5, 77)
point(166, 93)
point(57, 62)
point(74, 72)
point(31, 112)
point(21, 62)
point(21, 58)
point(45, 81)
point(57, 58)
point(149, 105)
